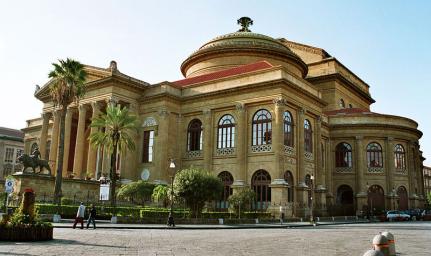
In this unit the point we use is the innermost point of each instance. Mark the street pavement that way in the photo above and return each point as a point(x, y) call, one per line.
point(412, 238)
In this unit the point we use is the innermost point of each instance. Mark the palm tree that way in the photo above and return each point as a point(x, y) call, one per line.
point(117, 124)
point(68, 85)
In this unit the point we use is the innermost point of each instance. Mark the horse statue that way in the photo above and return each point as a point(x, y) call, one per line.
point(29, 161)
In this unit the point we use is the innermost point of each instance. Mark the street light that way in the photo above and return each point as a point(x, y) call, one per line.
point(171, 173)
point(311, 198)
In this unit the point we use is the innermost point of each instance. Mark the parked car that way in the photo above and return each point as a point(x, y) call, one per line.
point(415, 213)
point(426, 215)
point(396, 215)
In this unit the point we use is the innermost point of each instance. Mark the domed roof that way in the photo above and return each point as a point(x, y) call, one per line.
point(241, 42)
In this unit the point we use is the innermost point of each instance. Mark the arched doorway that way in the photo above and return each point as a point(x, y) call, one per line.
point(345, 201)
point(260, 184)
point(288, 177)
point(227, 180)
point(376, 199)
point(403, 202)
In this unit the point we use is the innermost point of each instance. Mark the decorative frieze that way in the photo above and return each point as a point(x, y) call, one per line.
point(289, 150)
point(261, 148)
point(225, 151)
point(309, 155)
point(344, 170)
point(376, 170)
point(400, 170)
point(149, 121)
point(194, 154)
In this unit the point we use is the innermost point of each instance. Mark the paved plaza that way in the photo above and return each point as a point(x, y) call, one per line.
point(412, 238)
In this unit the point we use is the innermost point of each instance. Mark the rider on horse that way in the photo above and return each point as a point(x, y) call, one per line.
point(35, 155)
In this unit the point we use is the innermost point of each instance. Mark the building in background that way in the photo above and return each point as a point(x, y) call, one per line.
point(286, 119)
point(11, 147)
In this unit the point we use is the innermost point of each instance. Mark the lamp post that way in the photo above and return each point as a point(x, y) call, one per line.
point(171, 172)
point(311, 198)
point(393, 197)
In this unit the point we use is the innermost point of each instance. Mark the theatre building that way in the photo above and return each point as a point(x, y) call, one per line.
point(283, 118)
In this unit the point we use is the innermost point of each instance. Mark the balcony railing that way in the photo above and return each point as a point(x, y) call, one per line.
point(261, 148)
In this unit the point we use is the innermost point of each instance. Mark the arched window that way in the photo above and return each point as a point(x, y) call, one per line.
point(288, 129)
point(342, 104)
point(404, 199)
point(288, 177)
point(226, 132)
point(308, 136)
point(374, 155)
point(194, 135)
point(400, 157)
point(261, 128)
point(376, 199)
point(343, 155)
point(227, 180)
point(260, 184)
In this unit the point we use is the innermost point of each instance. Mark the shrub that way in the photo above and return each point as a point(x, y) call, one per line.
point(66, 201)
point(139, 190)
point(241, 200)
point(196, 187)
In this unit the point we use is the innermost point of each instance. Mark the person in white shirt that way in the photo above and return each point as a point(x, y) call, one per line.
point(80, 216)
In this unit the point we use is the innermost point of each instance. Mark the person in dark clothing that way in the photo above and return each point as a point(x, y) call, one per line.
point(92, 216)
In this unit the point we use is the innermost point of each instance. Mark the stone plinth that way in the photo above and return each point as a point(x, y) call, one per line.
point(43, 186)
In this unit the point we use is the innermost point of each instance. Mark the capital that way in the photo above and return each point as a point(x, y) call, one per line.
point(359, 137)
point(280, 101)
point(163, 113)
point(206, 111)
point(301, 111)
point(112, 101)
point(240, 107)
point(82, 108)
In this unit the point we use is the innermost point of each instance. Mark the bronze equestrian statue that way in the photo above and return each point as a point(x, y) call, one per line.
point(34, 162)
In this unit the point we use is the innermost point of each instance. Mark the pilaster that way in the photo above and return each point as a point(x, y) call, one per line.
point(207, 140)
point(241, 143)
point(277, 135)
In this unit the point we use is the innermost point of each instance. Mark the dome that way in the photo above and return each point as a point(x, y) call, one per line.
point(240, 48)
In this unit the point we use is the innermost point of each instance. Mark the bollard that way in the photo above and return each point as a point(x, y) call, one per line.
point(380, 243)
point(391, 242)
point(301, 219)
point(333, 218)
point(373, 253)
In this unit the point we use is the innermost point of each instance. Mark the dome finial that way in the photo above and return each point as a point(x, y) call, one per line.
point(245, 22)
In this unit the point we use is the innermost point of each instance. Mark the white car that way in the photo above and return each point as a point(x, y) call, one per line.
point(396, 215)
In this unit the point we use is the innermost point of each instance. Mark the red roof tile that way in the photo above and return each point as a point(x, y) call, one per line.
point(7, 132)
point(347, 111)
point(224, 73)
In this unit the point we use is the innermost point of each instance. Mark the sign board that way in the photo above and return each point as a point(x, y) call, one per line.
point(104, 192)
point(9, 185)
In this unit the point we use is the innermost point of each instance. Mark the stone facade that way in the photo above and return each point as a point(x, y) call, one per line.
point(268, 90)
point(427, 180)
point(11, 147)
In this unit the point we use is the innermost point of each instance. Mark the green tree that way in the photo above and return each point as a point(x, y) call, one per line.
point(138, 190)
point(67, 86)
point(242, 200)
point(196, 187)
point(161, 193)
point(119, 124)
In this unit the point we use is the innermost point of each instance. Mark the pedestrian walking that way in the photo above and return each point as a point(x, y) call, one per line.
point(80, 216)
point(92, 216)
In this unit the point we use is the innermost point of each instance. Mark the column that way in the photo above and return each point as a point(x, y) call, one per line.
point(277, 135)
point(131, 158)
point(80, 140)
point(67, 130)
point(329, 169)
point(207, 140)
point(44, 135)
point(92, 151)
point(54, 141)
point(241, 148)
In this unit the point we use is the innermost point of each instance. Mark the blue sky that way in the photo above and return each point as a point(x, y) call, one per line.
point(386, 43)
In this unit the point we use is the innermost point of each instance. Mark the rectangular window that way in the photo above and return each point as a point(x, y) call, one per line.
point(148, 150)
point(8, 158)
